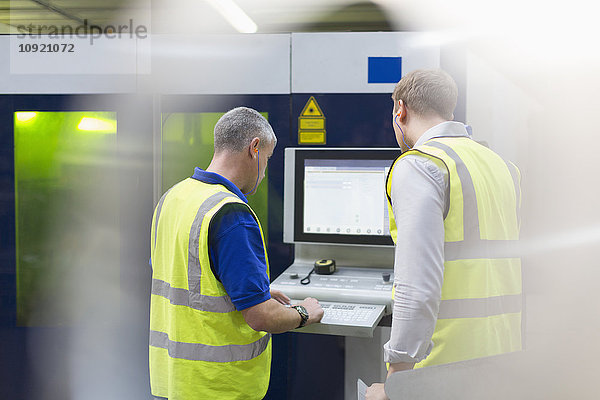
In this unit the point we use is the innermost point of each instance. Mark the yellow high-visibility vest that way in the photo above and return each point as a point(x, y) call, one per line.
point(480, 309)
point(200, 346)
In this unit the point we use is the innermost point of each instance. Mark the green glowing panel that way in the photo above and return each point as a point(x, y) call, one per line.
point(66, 202)
point(187, 142)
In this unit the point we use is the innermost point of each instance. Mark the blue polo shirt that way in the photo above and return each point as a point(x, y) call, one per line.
point(236, 249)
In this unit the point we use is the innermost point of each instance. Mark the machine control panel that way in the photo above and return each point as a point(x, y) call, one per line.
point(347, 319)
point(354, 299)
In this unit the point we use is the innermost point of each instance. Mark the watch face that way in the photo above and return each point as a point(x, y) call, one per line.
point(303, 314)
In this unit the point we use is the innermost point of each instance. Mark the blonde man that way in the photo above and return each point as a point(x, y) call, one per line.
point(454, 216)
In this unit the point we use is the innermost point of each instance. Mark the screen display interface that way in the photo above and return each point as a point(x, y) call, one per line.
point(345, 197)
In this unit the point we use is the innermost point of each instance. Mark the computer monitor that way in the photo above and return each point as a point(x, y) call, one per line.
point(337, 196)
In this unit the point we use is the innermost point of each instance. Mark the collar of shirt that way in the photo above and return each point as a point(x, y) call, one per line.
point(447, 128)
point(211, 177)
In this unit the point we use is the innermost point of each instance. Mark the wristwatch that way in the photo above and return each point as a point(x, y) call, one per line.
point(303, 314)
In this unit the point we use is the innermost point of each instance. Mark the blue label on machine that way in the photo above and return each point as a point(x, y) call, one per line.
point(384, 69)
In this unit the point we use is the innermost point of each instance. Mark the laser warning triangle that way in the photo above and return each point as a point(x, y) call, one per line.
point(311, 109)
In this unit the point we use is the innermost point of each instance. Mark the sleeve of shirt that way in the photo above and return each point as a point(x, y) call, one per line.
point(238, 258)
point(418, 200)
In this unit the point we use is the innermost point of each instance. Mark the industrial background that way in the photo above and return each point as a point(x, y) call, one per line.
point(87, 149)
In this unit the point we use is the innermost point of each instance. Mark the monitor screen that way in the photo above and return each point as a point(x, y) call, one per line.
point(340, 196)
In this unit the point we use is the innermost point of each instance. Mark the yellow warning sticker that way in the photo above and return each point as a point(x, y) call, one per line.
point(311, 109)
point(311, 137)
point(311, 124)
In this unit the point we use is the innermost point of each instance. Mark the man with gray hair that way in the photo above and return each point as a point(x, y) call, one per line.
point(454, 209)
point(212, 311)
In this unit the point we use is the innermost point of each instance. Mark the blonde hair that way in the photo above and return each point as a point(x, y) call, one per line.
point(427, 92)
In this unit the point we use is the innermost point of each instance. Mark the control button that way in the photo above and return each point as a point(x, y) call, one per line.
point(294, 276)
point(385, 276)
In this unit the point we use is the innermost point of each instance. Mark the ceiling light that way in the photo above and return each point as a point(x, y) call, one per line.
point(234, 15)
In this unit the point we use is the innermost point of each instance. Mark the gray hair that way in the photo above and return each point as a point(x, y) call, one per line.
point(427, 92)
point(236, 128)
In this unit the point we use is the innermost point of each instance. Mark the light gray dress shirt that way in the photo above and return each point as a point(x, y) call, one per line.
point(418, 202)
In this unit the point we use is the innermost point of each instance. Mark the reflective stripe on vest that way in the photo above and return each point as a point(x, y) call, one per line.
point(472, 246)
point(481, 302)
point(203, 352)
point(194, 298)
point(197, 300)
point(195, 330)
point(480, 307)
point(182, 297)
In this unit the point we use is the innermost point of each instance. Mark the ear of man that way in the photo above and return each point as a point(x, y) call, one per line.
point(400, 112)
point(253, 148)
